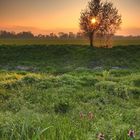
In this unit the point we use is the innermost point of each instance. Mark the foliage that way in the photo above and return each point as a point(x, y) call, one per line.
point(100, 18)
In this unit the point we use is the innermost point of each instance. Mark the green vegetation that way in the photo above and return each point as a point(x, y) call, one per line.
point(45, 89)
point(116, 42)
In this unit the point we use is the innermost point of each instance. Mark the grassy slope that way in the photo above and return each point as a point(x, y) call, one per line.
point(44, 88)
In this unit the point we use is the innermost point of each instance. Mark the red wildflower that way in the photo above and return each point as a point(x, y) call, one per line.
point(131, 133)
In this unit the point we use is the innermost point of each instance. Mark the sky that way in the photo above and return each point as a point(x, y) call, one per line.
point(46, 16)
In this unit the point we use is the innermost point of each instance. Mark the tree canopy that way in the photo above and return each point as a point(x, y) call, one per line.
point(100, 18)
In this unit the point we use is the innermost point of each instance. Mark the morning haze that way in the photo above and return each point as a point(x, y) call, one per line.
point(45, 16)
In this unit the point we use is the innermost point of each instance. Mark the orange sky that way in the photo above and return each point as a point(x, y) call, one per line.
point(45, 16)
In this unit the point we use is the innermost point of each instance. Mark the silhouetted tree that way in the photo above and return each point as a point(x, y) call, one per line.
point(40, 36)
point(52, 36)
point(25, 35)
point(79, 35)
point(99, 17)
point(71, 35)
point(5, 34)
point(63, 35)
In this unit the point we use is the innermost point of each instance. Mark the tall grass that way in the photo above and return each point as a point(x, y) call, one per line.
point(46, 103)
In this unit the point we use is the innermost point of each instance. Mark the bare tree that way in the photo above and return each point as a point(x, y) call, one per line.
point(99, 17)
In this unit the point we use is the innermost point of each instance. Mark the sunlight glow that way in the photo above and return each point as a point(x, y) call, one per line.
point(41, 16)
point(93, 20)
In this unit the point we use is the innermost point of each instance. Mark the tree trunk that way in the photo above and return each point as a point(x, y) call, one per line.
point(91, 39)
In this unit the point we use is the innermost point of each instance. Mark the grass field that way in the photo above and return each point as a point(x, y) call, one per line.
point(116, 42)
point(68, 92)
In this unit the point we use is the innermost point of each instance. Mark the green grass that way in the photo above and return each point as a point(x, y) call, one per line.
point(43, 90)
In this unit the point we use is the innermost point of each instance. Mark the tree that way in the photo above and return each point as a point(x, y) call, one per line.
point(52, 36)
point(5, 34)
point(71, 35)
point(79, 35)
point(63, 35)
point(25, 35)
point(99, 18)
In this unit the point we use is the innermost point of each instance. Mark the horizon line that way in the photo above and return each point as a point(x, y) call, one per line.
point(65, 33)
point(131, 31)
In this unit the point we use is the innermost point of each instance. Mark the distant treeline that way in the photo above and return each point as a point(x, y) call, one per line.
point(61, 35)
point(29, 35)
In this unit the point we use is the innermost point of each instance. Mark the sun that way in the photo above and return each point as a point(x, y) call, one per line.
point(93, 20)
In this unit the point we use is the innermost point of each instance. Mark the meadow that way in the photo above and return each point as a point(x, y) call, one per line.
point(68, 92)
point(98, 42)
